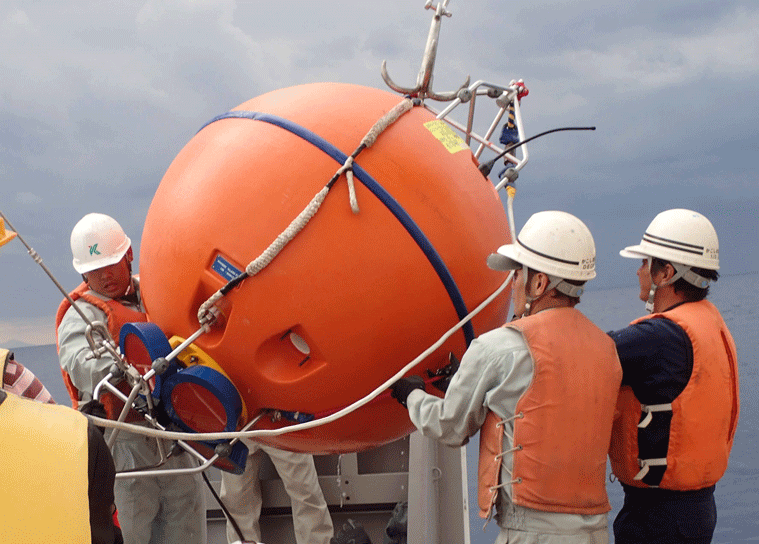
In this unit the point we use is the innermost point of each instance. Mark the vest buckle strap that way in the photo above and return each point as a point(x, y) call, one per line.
point(649, 409)
point(646, 463)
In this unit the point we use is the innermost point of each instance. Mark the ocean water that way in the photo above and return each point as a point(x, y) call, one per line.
point(737, 492)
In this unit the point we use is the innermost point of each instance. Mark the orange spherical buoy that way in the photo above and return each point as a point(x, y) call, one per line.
point(354, 297)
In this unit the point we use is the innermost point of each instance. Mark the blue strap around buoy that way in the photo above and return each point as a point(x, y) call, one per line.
point(393, 206)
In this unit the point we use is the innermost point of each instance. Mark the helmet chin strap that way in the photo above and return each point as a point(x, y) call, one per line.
point(650, 301)
point(681, 271)
point(527, 298)
point(554, 282)
point(654, 287)
point(130, 287)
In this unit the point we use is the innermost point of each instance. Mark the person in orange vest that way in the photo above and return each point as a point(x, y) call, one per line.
point(678, 407)
point(160, 509)
point(541, 390)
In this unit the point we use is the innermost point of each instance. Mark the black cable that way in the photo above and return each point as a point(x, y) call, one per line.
point(486, 167)
point(223, 508)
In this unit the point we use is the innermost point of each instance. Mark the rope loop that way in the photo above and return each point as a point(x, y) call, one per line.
point(347, 168)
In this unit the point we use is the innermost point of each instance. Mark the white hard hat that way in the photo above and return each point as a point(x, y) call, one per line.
point(97, 240)
point(553, 242)
point(679, 236)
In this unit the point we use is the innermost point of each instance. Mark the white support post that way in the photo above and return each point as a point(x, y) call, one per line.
point(438, 511)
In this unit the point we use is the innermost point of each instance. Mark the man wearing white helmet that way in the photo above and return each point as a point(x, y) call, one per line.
point(541, 390)
point(165, 510)
point(679, 400)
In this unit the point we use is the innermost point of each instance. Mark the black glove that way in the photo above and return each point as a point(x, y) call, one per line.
point(350, 533)
point(94, 408)
point(403, 387)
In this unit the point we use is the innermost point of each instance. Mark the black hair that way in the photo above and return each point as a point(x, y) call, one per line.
point(690, 291)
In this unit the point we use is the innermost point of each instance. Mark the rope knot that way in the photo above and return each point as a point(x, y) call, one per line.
point(347, 169)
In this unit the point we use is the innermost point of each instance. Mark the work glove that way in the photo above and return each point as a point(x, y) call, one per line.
point(94, 408)
point(401, 389)
point(350, 533)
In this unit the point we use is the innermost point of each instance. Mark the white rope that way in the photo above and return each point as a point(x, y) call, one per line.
point(255, 266)
point(499, 457)
point(137, 429)
point(386, 120)
point(646, 463)
point(347, 169)
point(263, 260)
point(205, 308)
point(170, 435)
point(502, 424)
point(368, 140)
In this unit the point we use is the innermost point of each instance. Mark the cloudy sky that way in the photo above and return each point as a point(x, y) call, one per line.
point(97, 98)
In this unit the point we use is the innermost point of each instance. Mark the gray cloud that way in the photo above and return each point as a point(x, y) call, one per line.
point(98, 98)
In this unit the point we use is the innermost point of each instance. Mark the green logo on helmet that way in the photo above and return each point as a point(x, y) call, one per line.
point(94, 250)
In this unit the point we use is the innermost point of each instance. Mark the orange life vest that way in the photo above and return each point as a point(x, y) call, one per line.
point(562, 424)
point(117, 315)
point(704, 415)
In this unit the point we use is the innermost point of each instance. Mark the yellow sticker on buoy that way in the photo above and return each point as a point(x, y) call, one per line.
point(444, 133)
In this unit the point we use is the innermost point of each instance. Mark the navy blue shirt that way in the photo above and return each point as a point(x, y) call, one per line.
point(657, 361)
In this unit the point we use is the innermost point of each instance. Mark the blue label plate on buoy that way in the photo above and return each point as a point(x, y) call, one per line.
point(224, 268)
